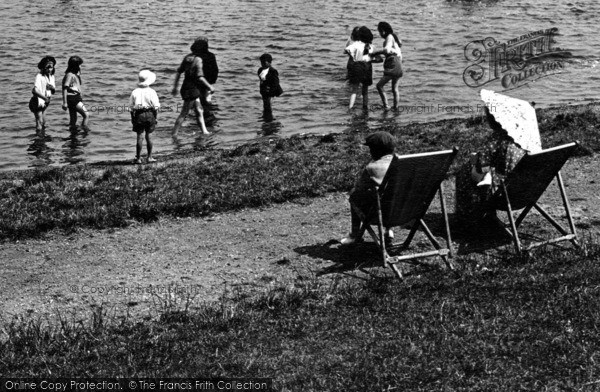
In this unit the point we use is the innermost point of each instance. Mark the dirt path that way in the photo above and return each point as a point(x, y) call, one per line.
point(139, 269)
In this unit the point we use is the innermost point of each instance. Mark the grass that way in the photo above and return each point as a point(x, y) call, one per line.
point(36, 202)
point(507, 324)
point(516, 324)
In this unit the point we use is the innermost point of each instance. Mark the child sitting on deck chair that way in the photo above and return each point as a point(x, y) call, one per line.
point(381, 146)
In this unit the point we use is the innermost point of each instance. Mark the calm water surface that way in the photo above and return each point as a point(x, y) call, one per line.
point(116, 39)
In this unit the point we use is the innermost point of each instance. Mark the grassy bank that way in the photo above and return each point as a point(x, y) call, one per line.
point(35, 202)
point(517, 324)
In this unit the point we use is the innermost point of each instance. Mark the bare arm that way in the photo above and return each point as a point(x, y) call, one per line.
point(177, 76)
point(65, 89)
point(203, 81)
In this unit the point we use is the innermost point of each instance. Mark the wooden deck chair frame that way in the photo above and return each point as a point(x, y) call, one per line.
point(523, 187)
point(404, 197)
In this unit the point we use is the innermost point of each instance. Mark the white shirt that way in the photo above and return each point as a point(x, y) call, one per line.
point(390, 46)
point(263, 74)
point(143, 98)
point(41, 83)
point(357, 49)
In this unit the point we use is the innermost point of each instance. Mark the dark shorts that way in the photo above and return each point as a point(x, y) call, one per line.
point(189, 90)
point(73, 101)
point(360, 72)
point(34, 105)
point(144, 121)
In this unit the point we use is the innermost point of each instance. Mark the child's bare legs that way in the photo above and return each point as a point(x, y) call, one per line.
point(182, 115)
point(138, 146)
point(149, 146)
point(200, 116)
point(185, 110)
point(353, 94)
point(380, 85)
point(396, 91)
point(365, 95)
point(206, 99)
point(72, 117)
point(40, 121)
point(81, 109)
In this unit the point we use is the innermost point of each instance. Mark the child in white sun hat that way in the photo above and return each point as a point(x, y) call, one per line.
point(144, 105)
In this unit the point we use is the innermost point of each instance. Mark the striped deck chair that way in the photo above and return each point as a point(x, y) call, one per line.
point(405, 194)
point(523, 187)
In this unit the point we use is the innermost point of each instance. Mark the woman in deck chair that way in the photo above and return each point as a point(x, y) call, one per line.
point(381, 146)
point(479, 178)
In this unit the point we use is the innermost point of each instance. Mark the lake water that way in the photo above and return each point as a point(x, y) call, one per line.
point(118, 38)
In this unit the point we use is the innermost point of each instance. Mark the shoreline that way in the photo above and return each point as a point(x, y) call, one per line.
point(259, 174)
point(195, 154)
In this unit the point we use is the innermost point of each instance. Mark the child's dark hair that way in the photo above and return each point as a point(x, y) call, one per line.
point(45, 61)
point(365, 36)
point(200, 46)
point(386, 29)
point(266, 57)
point(73, 66)
point(354, 34)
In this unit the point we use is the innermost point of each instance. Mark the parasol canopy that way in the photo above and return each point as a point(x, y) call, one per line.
point(517, 118)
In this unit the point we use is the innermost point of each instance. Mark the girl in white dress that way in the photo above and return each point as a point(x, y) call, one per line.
point(43, 89)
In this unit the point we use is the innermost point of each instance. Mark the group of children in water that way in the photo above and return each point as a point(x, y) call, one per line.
point(45, 86)
point(200, 71)
point(361, 56)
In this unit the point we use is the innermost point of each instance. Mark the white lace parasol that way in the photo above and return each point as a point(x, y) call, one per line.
point(517, 118)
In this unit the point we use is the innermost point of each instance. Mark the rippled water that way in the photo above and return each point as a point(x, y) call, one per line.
point(117, 38)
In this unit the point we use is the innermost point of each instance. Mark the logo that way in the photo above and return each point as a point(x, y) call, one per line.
point(515, 62)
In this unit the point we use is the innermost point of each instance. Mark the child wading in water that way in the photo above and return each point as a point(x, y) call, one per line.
point(210, 69)
point(195, 87)
point(71, 86)
point(144, 105)
point(43, 89)
point(269, 84)
point(360, 69)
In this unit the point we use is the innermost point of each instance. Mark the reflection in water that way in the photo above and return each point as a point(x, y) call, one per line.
point(40, 150)
point(270, 126)
point(74, 146)
point(204, 142)
point(359, 122)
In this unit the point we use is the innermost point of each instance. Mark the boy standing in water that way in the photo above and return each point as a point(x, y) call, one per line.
point(144, 105)
point(269, 84)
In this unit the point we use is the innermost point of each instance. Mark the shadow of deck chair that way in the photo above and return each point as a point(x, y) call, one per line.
point(405, 194)
point(523, 187)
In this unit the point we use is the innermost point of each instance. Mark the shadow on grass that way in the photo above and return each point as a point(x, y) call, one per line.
point(363, 256)
point(366, 257)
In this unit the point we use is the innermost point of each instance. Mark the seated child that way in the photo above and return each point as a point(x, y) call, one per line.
point(381, 146)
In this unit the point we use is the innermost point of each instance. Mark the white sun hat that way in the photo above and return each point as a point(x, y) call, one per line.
point(146, 78)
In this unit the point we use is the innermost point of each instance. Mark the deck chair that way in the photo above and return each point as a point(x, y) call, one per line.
point(523, 186)
point(403, 198)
